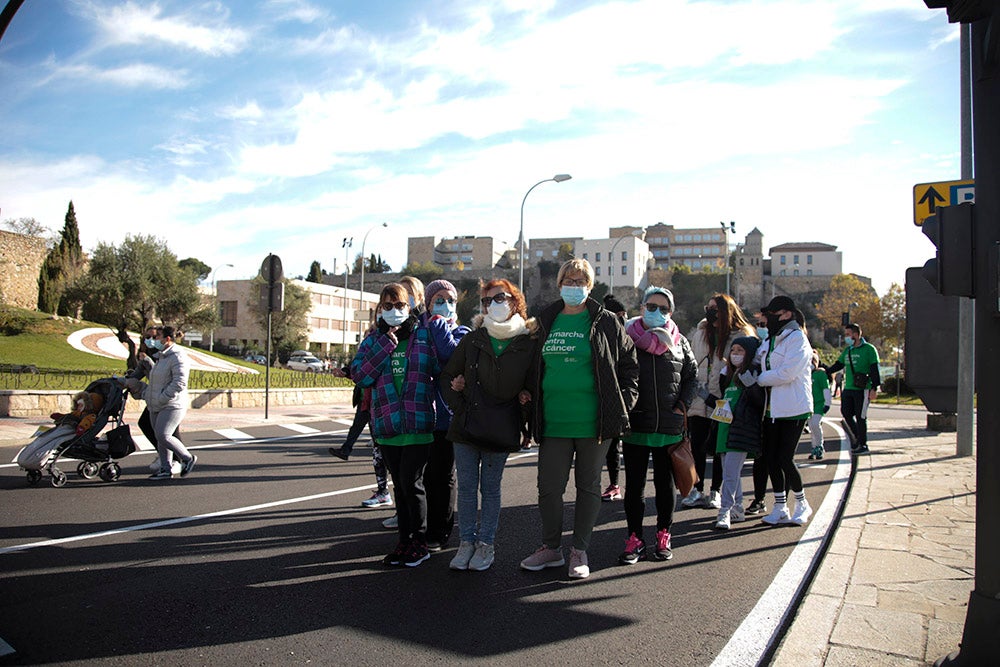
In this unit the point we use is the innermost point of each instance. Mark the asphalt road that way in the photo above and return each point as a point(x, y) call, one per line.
point(263, 555)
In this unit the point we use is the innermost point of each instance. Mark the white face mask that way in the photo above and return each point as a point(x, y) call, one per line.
point(395, 317)
point(498, 312)
point(737, 359)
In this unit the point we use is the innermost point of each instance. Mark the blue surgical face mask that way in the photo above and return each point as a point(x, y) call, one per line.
point(158, 343)
point(654, 319)
point(762, 333)
point(148, 342)
point(848, 341)
point(413, 304)
point(573, 295)
point(394, 317)
point(445, 310)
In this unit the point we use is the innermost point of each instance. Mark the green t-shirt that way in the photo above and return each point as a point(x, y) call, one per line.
point(862, 356)
point(820, 383)
point(397, 363)
point(569, 393)
point(651, 439)
point(499, 345)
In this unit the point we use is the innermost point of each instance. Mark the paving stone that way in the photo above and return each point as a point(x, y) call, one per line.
point(941, 638)
point(896, 538)
point(862, 595)
point(874, 567)
point(883, 630)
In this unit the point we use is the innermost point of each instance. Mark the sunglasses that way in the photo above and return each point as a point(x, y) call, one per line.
point(652, 308)
point(440, 301)
point(574, 282)
point(399, 305)
point(500, 297)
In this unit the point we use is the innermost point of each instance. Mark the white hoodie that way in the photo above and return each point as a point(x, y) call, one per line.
point(787, 369)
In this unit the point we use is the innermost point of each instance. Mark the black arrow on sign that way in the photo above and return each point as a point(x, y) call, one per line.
point(931, 197)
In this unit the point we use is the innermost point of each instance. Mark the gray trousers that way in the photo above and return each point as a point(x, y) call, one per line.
point(165, 422)
point(555, 458)
point(732, 482)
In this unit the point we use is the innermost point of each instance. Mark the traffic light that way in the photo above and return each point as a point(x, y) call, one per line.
point(952, 229)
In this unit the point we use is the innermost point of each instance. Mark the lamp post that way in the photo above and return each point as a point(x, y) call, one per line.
point(361, 292)
point(558, 178)
point(348, 242)
point(215, 301)
point(731, 227)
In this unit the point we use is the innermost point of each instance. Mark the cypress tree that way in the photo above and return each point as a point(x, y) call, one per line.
point(62, 266)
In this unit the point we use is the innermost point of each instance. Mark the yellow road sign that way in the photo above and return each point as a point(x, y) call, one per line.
point(927, 197)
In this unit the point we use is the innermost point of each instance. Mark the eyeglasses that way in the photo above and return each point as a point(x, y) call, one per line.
point(399, 305)
point(574, 282)
point(499, 297)
point(652, 308)
point(440, 301)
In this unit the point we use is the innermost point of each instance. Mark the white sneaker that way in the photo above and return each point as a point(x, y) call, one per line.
point(483, 557)
point(723, 522)
point(778, 515)
point(175, 466)
point(714, 500)
point(801, 514)
point(578, 566)
point(693, 499)
point(463, 556)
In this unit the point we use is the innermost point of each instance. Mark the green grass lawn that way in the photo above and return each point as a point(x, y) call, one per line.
point(29, 338)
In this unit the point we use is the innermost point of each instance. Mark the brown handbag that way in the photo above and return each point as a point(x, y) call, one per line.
point(682, 460)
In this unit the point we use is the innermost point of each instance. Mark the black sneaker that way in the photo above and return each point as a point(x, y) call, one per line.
point(339, 453)
point(434, 546)
point(395, 557)
point(757, 507)
point(635, 550)
point(415, 555)
point(188, 465)
point(861, 449)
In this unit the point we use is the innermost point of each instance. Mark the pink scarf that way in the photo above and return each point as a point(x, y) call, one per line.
point(655, 341)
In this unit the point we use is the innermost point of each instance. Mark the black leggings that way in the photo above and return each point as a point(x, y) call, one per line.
point(703, 432)
point(614, 465)
point(406, 465)
point(781, 439)
point(852, 405)
point(146, 426)
point(441, 486)
point(636, 469)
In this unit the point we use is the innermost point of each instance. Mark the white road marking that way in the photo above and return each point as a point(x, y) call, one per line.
point(233, 434)
point(184, 519)
point(759, 628)
point(299, 428)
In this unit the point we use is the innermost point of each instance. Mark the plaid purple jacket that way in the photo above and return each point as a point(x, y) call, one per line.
point(391, 414)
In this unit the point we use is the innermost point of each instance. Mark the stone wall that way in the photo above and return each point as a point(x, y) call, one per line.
point(28, 403)
point(21, 260)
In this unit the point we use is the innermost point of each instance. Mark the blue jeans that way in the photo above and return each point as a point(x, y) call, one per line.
point(479, 471)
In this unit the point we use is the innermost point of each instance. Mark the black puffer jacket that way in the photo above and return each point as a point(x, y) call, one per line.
point(748, 415)
point(616, 372)
point(501, 378)
point(666, 381)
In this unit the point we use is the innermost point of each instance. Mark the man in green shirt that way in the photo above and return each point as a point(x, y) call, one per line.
point(859, 360)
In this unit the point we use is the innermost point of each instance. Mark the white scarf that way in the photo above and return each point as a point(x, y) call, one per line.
point(514, 326)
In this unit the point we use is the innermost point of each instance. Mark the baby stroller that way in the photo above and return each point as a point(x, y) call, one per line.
point(96, 454)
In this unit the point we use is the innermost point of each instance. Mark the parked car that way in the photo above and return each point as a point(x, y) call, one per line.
point(311, 364)
point(256, 359)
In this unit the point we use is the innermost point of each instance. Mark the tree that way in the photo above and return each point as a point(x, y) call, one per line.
point(373, 264)
point(62, 266)
point(846, 290)
point(196, 266)
point(891, 324)
point(565, 252)
point(289, 327)
point(315, 273)
point(425, 272)
point(26, 226)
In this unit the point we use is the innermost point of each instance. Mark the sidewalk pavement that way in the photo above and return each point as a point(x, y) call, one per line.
point(894, 585)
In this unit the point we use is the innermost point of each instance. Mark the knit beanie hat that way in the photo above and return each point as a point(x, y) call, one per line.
point(652, 289)
point(435, 287)
point(748, 343)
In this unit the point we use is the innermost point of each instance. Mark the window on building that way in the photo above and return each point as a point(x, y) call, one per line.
point(624, 255)
point(597, 256)
point(741, 261)
point(783, 272)
point(597, 271)
point(539, 253)
point(555, 253)
point(227, 312)
point(697, 237)
point(809, 259)
point(783, 258)
point(809, 272)
point(585, 255)
point(795, 259)
point(795, 272)
point(624, 270)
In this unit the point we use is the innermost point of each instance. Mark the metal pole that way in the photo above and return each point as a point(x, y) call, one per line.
point(558, 178)
point(347, 302)
point(966, 308)
point(361, 292)
point(267, 368)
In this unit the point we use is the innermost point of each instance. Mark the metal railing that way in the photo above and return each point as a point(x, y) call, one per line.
point(35, 378)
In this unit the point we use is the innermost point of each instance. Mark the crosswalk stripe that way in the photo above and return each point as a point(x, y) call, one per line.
point(233, 434)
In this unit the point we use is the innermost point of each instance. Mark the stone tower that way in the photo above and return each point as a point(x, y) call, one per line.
point(749, 271)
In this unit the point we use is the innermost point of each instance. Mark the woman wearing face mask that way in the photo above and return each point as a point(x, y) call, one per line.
point(145, 360)
point(166, 397)
point(786, 375)
point(490, 364)
point(711, 339)
point(584, 380)
point(667, 385)
point(441, 319)
point(398, 363)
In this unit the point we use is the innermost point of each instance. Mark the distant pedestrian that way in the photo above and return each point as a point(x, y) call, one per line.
point(786, 363)
point(859, 360)
point(490, 365)
point(668, 380)
point(739, 432)
point(821, 405)
point(584, 381)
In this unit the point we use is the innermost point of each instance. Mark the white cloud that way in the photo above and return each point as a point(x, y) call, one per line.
point(138, 75)
point(135, 24)
point(249, 111)
point(295, 10)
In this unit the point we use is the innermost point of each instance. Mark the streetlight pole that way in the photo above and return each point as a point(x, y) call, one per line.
point(215, 301)
point(558, 178)
point(348, 242)
point(725, 234)
point(361, 292)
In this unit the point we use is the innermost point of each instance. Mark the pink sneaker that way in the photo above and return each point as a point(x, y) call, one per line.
point(663, 551)
point(613, 492)
point(543, 558)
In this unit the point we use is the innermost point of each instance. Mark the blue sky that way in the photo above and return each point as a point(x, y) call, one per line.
point(234, 129)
